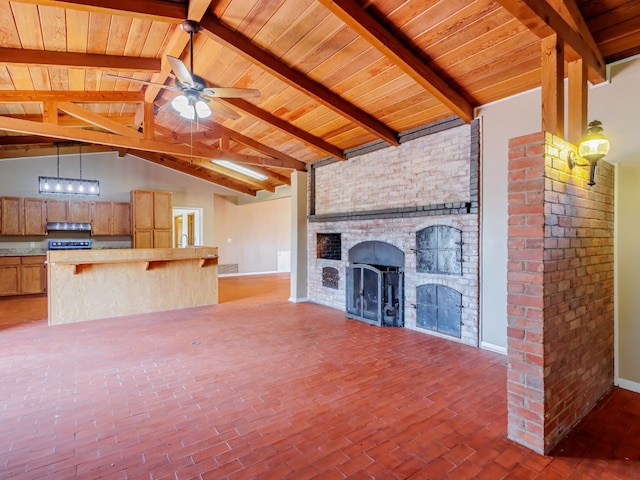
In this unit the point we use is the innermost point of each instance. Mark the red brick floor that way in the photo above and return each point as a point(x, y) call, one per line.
point(258, 387)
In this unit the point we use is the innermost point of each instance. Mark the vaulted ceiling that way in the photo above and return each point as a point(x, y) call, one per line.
point(332, 74)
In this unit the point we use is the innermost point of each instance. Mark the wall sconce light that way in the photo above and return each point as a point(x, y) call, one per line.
point(68, 186)
point(592, 148)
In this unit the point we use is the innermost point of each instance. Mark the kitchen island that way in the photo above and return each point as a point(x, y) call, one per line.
point(92, 284)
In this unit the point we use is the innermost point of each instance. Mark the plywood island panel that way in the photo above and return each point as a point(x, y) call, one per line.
point(93, 284)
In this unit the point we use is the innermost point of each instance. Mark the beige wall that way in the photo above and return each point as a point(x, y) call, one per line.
point(617, 105)
point(251, 235)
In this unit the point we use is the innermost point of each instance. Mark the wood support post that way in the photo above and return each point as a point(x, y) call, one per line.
point(50, 112)
point(148, 121)
point(578, 98)
point(553, 85)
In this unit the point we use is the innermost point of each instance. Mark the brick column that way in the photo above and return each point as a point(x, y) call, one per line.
point(560, 290)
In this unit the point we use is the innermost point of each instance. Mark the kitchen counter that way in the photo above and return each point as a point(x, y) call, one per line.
point(92, 284)
point(22, 252)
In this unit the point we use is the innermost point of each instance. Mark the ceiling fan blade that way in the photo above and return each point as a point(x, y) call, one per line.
point(224, 110)
point(161, 85)
point(182, 72)
point(230, 92)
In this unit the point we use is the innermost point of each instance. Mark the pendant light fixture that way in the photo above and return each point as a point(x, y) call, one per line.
point(68, 186)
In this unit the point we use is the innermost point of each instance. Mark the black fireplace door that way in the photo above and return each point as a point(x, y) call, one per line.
point(364, 293)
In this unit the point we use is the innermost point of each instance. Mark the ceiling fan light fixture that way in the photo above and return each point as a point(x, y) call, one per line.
point(182, 105)
point(202, 109)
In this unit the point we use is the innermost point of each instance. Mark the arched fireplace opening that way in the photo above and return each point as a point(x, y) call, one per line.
point(375, 284)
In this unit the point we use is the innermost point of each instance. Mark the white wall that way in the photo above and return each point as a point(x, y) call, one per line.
point(501, 121)
point(617, 105)
point(251, 235)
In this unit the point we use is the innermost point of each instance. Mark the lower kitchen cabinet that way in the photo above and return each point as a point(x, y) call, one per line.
point(10, 276)
point(23, 275)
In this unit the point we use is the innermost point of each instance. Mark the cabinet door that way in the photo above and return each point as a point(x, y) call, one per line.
point(9, 276)
point(162, 210)
point(32, 275)
point(11, 212)
point(142, 203)
point(79, 211)
point(57, 210)
point(35, 216)
point(143, 239)
point(121, 224)
point(162, 239)
point(101, 223)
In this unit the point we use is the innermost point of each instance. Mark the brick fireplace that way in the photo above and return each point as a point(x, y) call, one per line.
point(420, 198)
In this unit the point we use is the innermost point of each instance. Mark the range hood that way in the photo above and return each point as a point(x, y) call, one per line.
point(69, 226)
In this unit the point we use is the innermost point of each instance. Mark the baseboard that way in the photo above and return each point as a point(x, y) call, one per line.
point(493, 348)
point(628, 385)
point(298, 300)
point(249, 273)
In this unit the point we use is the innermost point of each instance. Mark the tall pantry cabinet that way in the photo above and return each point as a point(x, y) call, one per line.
point(152, 218)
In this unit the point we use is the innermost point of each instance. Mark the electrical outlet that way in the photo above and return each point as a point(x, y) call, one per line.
point(32, 244)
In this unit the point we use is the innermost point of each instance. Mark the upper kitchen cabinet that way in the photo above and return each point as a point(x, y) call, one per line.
point(111, 218)
point(35, 216)
point(22, 216)
point(11, 215)
point(57, 210)
point(78, 211)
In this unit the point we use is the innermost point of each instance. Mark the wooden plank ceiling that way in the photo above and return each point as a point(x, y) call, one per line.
point(332, 74)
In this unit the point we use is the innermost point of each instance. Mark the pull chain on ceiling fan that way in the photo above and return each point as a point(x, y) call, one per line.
point(194, 101)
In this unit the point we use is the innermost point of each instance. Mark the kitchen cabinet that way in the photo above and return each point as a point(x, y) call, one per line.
point(11, 215)
point(33, 275)
point(35, 216)
point(9, 276)
point(111, 218)
point(152, 218)
point(22, 216)
point(102, 218)
point(57, 210)
point(79, 211)
point(23, 275)
point(121, 224)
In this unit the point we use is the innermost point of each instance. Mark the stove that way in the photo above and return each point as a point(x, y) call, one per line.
point(70, 244)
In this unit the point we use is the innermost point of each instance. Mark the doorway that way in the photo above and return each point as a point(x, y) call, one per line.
point(187, 227)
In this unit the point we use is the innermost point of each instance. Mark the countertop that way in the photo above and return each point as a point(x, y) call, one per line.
point(22, 252)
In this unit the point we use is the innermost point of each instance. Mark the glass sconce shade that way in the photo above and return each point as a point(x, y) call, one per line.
point(594, 145)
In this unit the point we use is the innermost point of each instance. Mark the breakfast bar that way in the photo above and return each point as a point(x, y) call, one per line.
point(93, 284)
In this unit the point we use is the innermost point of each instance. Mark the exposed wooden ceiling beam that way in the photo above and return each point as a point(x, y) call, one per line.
point(148, 9)
point(101, 138)
point(543, 20)
point(97, 120)
point(176, 45)
point(42, 58)
point(6, 140)
point(352, 14)
point(41, 150)
point(242, 45)
point(217, 130)
point(37, 96)
point(302, 135)
point(69, 121)
point(187, 168)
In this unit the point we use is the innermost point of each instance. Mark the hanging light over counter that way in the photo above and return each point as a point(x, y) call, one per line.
point(68, 186)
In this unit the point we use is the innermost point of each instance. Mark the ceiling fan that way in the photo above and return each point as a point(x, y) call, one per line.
point(195, 96)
